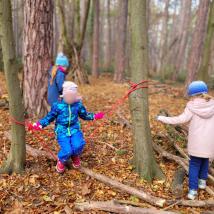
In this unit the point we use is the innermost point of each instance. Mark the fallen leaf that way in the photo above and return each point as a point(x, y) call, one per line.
point(68, 210)
point(47, 198)
point(86, 189)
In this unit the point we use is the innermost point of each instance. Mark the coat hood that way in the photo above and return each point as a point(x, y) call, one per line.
point(201, 107)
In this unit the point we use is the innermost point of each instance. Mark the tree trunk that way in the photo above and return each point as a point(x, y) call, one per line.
point(185, 19)
point(107, 55)
point(144, 159)
point(204, 67)
point(64, 45)
point(95, 54)
point(38, 53)
point(164, 39)
point(121, 41)
point(16, 157)
point(197, 41)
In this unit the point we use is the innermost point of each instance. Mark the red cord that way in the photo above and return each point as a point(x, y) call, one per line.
point(119, 102)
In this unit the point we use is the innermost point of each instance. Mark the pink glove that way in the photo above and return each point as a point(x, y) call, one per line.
point(99, 116)
point(35, 126)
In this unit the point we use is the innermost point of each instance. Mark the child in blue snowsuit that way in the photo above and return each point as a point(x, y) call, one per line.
point(66, 113)
point(56, 78)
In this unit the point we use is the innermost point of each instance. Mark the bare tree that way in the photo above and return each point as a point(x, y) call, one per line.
point(95, 54)
point(204, 66)
point(197, 41)
point(16, 157)
point(121, 41)
point(144, 159)
point(164, 39)
point(107, 55)
point(185, 18)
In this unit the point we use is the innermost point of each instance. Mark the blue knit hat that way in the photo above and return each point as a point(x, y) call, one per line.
point(62, 60)
point(197, 87)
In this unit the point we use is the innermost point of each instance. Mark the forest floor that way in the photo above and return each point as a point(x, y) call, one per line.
point(42, 190)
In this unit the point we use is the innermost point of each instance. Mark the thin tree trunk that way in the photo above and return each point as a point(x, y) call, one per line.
point(185, 19)
point(107, 55)
point(145, 164)
point(64, 45)
point(197, 41)
point(164, 39)
point(38, 53)
point(121, 41)
point(84, 23)
point(16, 157)
point(95, 54)
point(204, 67)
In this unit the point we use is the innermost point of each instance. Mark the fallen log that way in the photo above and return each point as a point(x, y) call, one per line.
point(111, 206)
point(178, 160)
point(125, 188)
point(177, 183)
point(197, 203)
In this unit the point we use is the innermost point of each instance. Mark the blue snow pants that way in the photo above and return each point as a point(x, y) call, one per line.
point(198, 169)
point(70, 146)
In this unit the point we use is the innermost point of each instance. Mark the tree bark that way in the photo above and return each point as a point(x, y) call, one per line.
point(145, 164)
point(185, 19)
point(16, 158)
point(38, 53)
point(120, 63)
point(95, 49)
point(197, 41)
point(204, 66)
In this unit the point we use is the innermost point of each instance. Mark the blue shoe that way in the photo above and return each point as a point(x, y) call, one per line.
point(192, 194)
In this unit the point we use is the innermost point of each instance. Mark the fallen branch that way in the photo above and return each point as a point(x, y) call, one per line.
point(197, 203)
point(116, 184)
point(123, 121)
point(111, 206)
point(132, 203)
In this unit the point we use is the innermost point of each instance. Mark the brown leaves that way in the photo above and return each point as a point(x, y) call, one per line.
point(86, 189)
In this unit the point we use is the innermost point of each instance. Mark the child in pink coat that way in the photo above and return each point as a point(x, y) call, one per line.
point(199, 114)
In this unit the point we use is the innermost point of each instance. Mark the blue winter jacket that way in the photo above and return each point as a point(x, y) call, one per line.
point(66, 117)
point(55, 89)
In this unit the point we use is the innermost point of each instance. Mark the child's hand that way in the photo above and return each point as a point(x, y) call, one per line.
point(35, 126)
point(99, 116)
point(159, 118)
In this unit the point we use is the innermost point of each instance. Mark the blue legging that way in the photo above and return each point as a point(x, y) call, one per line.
point(198, 169)
point(70, 146)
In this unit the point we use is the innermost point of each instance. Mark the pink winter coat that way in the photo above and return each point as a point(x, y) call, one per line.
point(199, 113)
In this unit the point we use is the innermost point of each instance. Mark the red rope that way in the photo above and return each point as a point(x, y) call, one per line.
point(117, 104)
